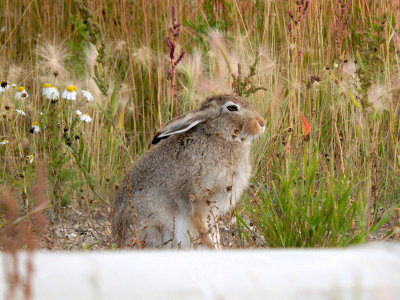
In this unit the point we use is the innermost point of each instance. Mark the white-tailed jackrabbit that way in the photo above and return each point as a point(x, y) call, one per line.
point(198, 169)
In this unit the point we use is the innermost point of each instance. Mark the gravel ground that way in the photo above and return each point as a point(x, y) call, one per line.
point(81, 230)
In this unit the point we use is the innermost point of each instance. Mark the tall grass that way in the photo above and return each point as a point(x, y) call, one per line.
point(335, 62)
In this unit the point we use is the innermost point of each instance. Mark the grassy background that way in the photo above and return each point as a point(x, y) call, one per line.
point(336, 62)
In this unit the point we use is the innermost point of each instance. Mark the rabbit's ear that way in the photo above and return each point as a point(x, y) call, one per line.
point(181, 124)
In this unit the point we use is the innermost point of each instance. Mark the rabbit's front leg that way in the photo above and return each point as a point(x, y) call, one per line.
point(199, 224)
point(215, 236)
point(182, 230)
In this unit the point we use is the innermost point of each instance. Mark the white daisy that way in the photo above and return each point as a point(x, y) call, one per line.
point(85, 118)
point(87, 95)
point(3, 86)
point(50, 92)
point(20, 111)
point(53, 94)
point(35, 127)
point(31, 158)
point(45, 89)
point(4, 142)
point(78, 112)
point(69, 93)
point(21, 93)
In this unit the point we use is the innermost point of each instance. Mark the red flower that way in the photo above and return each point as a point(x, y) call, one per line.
point(305, 125)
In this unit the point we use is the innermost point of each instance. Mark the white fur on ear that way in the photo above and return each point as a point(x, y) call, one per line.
point(181, 130)
point(185, 122)
point(179, 125)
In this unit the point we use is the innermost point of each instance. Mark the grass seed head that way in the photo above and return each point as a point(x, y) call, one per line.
point(53, 58)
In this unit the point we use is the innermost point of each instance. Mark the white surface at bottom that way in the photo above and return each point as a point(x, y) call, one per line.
point(371, 272)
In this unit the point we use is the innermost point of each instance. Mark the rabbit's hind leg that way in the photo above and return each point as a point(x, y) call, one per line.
point(121, 229)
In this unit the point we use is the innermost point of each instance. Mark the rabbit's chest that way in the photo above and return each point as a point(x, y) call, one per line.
point(226, 186)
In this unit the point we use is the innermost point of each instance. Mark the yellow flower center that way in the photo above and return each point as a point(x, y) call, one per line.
point(35, 124)
point(71, 88)
point(86, 115)
point(46, 85)
point(31, 156)
point(20, 89)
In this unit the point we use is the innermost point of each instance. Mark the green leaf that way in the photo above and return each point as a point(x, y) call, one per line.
point(112, 105)
point(353, 100)
point(105, 113)
point(378, 224)
point(360, 62)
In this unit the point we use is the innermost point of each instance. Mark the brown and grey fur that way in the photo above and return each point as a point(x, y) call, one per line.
point(172, 189)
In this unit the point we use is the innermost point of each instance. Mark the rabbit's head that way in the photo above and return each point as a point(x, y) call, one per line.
point(227, 116)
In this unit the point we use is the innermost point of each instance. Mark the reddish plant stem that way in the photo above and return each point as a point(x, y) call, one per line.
point(170, 41)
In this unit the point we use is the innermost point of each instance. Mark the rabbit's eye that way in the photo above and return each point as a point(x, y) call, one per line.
point(232, 108)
